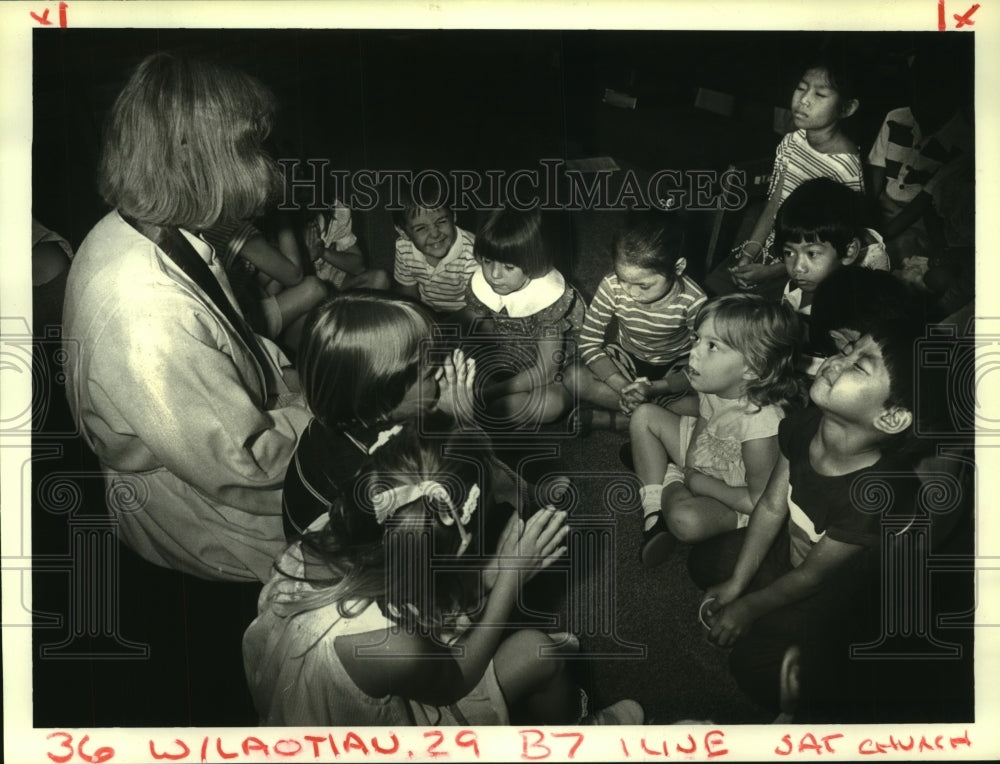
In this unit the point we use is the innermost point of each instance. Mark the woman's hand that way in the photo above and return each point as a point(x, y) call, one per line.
point(455, 379)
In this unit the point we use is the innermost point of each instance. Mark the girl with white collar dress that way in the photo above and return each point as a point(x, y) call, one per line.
point(522, 311)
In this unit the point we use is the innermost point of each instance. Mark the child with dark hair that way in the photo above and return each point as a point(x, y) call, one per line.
point(434, 257)
point(369, 620)
point(818, 230)
point(329, 240)
point(704, 460)
point(364, 372)
point(851, 300)
point(653, 304)
point(817, 147)
point(524, 303)
point(814, 531)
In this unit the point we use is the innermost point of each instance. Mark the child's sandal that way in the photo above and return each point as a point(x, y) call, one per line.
point(625, 456)
point(657, 543)
point(581, 421)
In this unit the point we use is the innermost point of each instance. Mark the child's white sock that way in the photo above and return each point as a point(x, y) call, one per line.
point(650, 496)
point(674, 475)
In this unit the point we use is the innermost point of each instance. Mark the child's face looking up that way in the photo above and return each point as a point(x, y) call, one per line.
point(503, 278)
point(815, 103)
point(642, 284)
point(715, 367)
point(854, 383)
point(433, 232)
point(809, 263)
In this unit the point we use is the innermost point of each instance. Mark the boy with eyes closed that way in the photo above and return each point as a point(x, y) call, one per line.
point(807, 552)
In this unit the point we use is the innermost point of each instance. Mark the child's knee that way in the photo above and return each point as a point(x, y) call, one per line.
point(537, 648)
point(379, 279)
point(315, 288)
point(683, 520)
point(572, 378)
point(642, 417)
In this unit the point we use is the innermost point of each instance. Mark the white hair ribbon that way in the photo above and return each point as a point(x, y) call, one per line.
point(384, 437)
point(387, 502)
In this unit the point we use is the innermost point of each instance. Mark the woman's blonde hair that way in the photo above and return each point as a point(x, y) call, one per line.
point(183, 145)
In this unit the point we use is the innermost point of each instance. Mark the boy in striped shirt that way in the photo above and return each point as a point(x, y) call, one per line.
point(434, 261)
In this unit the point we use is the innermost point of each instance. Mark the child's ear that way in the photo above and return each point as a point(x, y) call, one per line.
point(402, 234)
point(680, 265)
point(853, 250)
point(893, 420)
point(788, 682)
point(849, 107)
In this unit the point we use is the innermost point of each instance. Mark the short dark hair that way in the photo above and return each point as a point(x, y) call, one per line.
point(841, 68)
point(655, 245)
point(183, 145)
point(819, 210)
point(515, 237)
point(413, 200)
point(855, 298)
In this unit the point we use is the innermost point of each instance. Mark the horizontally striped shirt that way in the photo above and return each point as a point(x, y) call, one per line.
point(657, 333)
point(797, 162)
point(440, 286)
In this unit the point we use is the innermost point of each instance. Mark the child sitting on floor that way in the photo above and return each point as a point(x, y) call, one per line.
point(914, 144)
point(817, 232)
point(268, 280)
point(365, 372)
point(336, 257)
point(520, 301)
point(705, 460)
point(852, 448)
point(816, 148)
point(369, 621)
point(654, 305)
point(434, 257)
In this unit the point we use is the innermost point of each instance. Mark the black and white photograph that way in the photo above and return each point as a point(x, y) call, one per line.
point(498, 376)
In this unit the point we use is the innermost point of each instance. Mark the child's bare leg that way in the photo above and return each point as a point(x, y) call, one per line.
point(373, 279)
point(582, 383)
point(587, 388)
point(655, 434)
point(536, 682)
point(694, 518)
point(538, 406)
point(295, 303)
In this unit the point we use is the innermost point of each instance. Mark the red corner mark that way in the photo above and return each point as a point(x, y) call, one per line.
point(966, 18)
point(44, 18)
